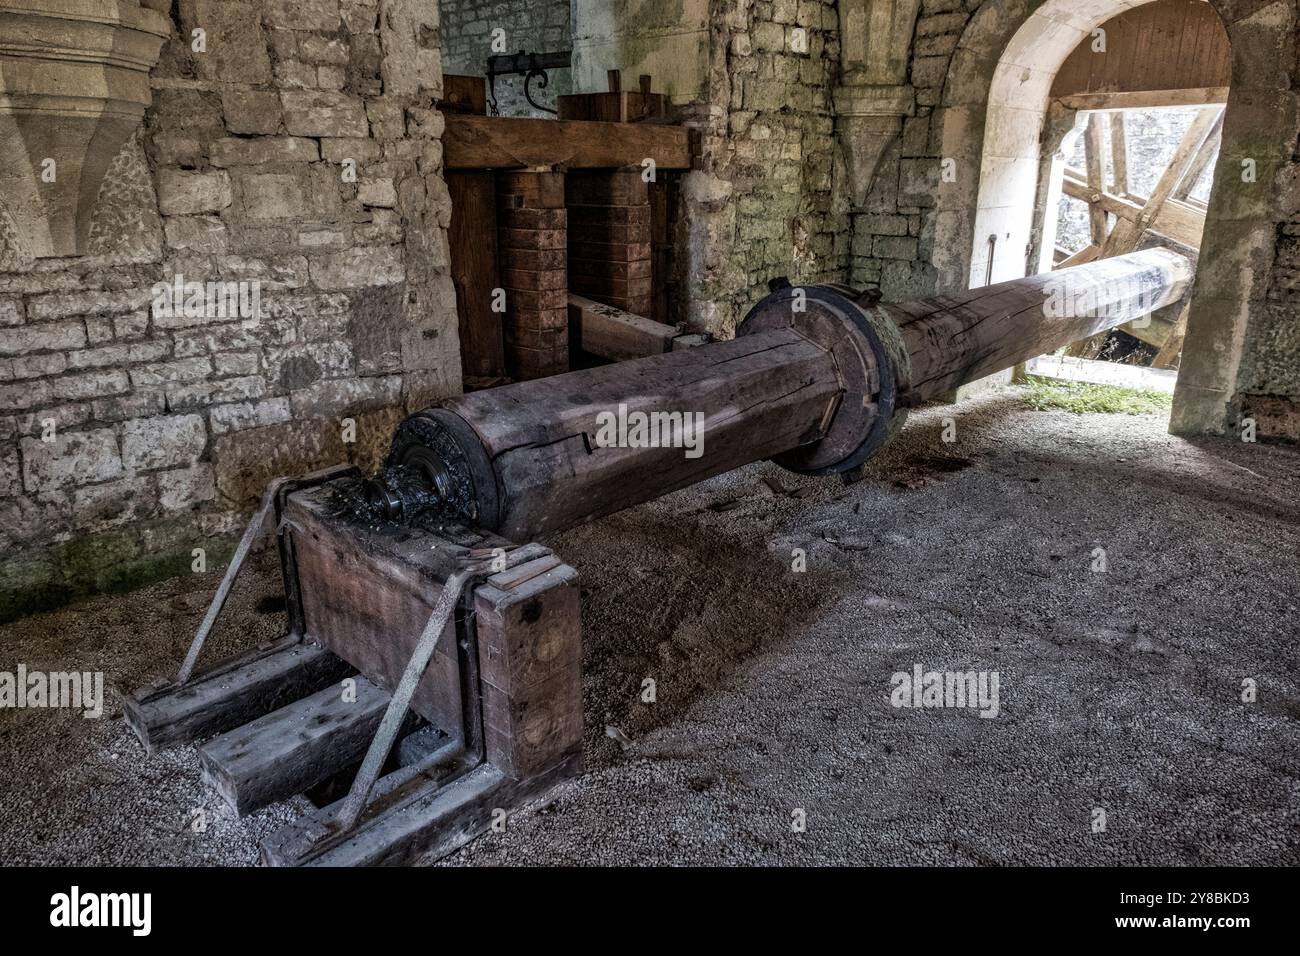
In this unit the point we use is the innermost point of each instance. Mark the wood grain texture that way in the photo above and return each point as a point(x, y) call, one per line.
point(1168, 44)
point(614, 334)
point(491, 142)
point(472, 240)
point(233, 693)
point(294, 748)
point(759, 395)
point(956, 339)
point(367, 596)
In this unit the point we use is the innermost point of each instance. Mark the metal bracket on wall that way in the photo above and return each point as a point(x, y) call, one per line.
point(531, 66)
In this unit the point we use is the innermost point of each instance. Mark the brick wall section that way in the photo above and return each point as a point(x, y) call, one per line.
point(609, 239)
point(540, 26)
point(532, 235)
point(770, 199)
point(167, 428)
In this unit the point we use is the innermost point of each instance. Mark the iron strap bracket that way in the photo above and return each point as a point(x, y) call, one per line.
point(272, 501)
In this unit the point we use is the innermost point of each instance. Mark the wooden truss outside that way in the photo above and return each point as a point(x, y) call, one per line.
point(1120, 219)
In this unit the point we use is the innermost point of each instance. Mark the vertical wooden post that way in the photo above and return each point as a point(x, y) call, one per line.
point(1118, 154)
point(1096, 180)
point(472, 238)
point(532, 229)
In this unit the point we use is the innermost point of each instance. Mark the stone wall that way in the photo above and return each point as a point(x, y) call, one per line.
point(536, 26)
point(893, 234)
point(769, 199)
point(132, 434)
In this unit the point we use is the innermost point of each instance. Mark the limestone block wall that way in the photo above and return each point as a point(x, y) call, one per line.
point(893, 232)
point(667, 39)
point(537, 26)
point(291, 153)
point(770, 196)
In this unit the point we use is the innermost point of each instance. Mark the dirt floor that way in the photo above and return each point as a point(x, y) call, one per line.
point(1119, 691)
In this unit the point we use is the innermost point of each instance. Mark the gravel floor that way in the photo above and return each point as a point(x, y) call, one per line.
point(1119, 691)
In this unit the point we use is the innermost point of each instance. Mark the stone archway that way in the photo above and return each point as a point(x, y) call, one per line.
point(991, 118)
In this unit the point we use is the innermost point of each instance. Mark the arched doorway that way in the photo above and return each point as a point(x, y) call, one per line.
point(992, 118)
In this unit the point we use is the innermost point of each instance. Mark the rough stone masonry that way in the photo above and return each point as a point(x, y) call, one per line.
point(290, 144)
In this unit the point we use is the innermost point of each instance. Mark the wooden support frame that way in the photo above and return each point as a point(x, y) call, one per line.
point(1176, 219)
point(1167, 211)
point(1127, 232)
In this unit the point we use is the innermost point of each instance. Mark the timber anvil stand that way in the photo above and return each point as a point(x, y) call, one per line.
point(471, 644)
point(500, 696)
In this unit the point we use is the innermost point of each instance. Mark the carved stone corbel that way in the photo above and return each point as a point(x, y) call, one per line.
point(74, 85)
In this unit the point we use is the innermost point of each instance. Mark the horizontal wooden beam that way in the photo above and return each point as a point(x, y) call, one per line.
point(615, 334)
point(1179, 221)
point(1145, 99)
point(294, 748)
point(1087, 254)
point(494, 142)
point(234, 693)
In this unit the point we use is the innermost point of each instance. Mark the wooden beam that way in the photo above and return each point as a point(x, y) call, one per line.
point(991, 328)
point(291, 749)
point(1172, 348)
point(1144, 100)
point(1118, 155)
point(472, 239)
point(1180, 221)
point(1205, 156)
point(234, 693)
point(1086, 254)
point(492, 142)
point(1128, 232)
point(415, 818)
point(615, 334)
point(1096, 182)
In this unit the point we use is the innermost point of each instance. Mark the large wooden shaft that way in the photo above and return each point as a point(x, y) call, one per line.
point(817, 378)
point(952, 340)
point(568, 448)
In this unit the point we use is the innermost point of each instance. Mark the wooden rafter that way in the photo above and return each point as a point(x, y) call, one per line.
point(1144, 100)
point(1118, 155)
point(1128, 232)
point(1205, 156)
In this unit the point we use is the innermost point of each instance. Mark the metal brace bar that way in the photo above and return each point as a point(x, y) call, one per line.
point(241, 553)
point(382, 744)
point(232, 572)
